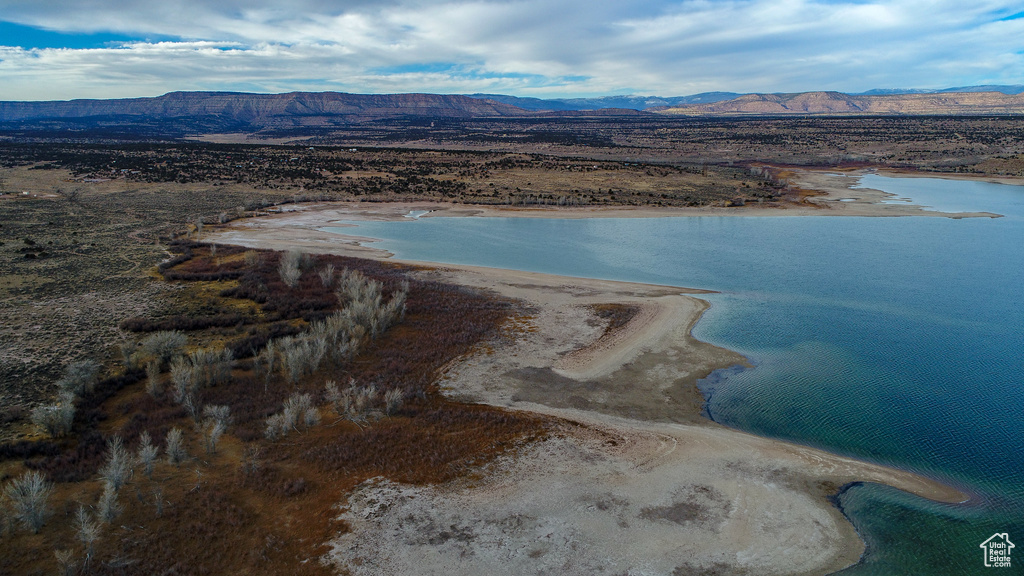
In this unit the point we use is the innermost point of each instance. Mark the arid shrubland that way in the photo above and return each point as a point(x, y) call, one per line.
point(29, 495)
point(56, 419)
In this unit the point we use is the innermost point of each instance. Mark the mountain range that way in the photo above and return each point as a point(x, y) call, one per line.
point(180, 113)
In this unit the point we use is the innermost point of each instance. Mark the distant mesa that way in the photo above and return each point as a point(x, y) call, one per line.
point(183, 113)
point(938, 103)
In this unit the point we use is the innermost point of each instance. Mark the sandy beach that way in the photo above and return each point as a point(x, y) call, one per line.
point(635, 480)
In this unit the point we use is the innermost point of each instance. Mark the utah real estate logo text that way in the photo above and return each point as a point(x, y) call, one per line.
point(997, 550)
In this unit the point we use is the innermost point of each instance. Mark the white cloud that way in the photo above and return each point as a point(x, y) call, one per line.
point(529, 47)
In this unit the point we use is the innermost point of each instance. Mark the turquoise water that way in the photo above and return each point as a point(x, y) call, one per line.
point(897, 340)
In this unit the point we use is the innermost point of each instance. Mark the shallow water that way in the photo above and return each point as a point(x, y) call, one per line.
point(897, 340)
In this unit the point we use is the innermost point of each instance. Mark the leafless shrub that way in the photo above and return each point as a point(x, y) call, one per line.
point(154, 386)
point(190, 404)
point(66, 565)
point(29, 495)
point(298, 410)
point(163, 345)
point(333, 395)
point(87, 531)
point(300, 355)
point(251, 459)
point(158, 500)
point(393, 401)
point(148, 453)
point(108, 507)
point(275, 427)
point(175, 448)
point(212, 431)
point(183, 377)
point(116, 472)
point(311, 417)
point(252, 258)
point(211, 366)
point(289, 269)
point(327, 275)
point(215, 423)
point(128, 349)
point(363, 304)
point(57, 419)
point(266, 361)
point(221, 414)
point(79, 377)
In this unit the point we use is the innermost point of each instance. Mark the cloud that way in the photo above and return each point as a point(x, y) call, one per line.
point(527, 47)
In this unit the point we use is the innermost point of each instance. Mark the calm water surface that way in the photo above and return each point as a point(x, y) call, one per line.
point(896, 340)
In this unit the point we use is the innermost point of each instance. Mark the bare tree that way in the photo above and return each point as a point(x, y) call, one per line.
point(289, 269)
point(327, 275)
point(153, 384)
point(29, 495)
point(87, 532)
point(164, 345)
point(175, 448)
point(393, 401)
point(79, 377)
point(118, 468)
point(148, 453)
point(108, 507)
point(57, 419)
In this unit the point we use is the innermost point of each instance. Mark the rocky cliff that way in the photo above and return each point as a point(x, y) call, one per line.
point(945, 103)
point(263, 110)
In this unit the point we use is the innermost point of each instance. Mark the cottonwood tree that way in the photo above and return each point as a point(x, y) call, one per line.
point(174, 447)
point(289, 269)
point(147, 454)
point(79, 377)
point(29, 495)
point(117, 470)
point(56, 419)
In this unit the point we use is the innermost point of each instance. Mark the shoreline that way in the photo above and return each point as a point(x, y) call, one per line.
point(835, 196)
point(709, 500)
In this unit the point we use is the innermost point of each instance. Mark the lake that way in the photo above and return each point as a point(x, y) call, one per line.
point(895, 340)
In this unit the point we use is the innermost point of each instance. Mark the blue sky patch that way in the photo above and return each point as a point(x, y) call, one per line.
point(28, 37)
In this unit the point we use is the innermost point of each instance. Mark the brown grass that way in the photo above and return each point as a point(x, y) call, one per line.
point(222, 513)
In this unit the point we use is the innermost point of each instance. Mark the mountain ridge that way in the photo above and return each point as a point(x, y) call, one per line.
point(938, 103)
point(188, 113)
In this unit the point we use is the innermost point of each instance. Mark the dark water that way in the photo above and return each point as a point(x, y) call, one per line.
point(896, 340)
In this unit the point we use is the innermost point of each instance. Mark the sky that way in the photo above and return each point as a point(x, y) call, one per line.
point(57, 50)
